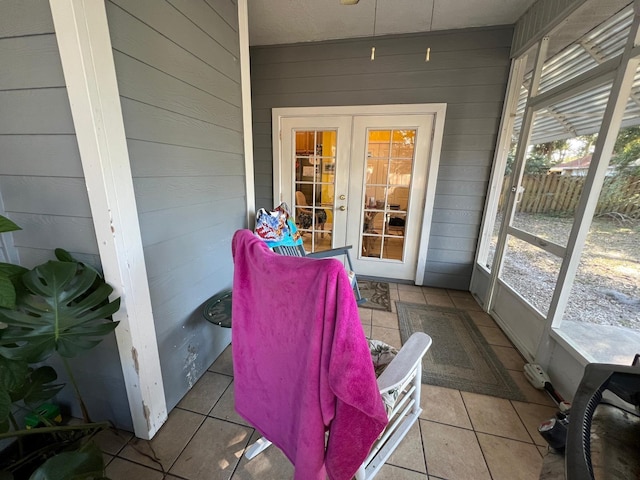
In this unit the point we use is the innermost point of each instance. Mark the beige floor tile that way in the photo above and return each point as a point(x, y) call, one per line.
point(365, 314)
point(494, 336)
point(509, 459)
point(510, 357)
point(410, 453)
point(466, 303)
point(387, 335)
point(531, 394)
point(271, 464)
point(438, 300)
point(532, 416)
point(396, 473)
point(225, 408)
point(119, 469)
point(495, 416)
point(367, 330)
point(213, 452)
point(407, 287)
point(224, 363)
point(411, 296)
point(482, 319)
point(381, 318)
point(452, 453)
point(165, 447)
point(112, 440)
point(205, 393)
point(393, 294)
point(443, 405)
point(434, 291)
point(458, 293)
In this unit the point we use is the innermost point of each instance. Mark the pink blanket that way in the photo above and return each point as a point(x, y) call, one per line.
point(301, 361)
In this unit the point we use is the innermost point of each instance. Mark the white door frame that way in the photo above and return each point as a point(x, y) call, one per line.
point(438, 111)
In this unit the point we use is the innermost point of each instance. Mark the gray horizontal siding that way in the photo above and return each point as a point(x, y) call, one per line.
point(42, 183)
point(177, 66)
point(25, 17)
point(468, 71)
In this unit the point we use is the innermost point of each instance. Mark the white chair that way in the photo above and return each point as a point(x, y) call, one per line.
point(401, 380)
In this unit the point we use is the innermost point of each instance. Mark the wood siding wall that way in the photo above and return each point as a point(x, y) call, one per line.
point(468, 71)
point(42, 182)
point(178, 71)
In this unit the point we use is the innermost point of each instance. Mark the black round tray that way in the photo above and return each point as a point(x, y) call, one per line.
point(217, 309)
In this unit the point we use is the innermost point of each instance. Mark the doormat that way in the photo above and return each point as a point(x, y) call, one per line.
point(376, 293)
point(459, 357)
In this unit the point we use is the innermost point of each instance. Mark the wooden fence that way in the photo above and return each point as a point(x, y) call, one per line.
point(558, 194)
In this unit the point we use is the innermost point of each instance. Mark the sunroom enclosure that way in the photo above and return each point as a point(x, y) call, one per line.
point(532, 278)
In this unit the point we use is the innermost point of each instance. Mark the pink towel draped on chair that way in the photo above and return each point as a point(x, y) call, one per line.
point(301, 361)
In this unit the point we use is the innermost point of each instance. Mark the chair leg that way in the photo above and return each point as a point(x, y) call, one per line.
point(259, 446)
point(356, 288)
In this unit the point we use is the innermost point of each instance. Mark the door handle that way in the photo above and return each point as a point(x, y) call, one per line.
point(342, 208)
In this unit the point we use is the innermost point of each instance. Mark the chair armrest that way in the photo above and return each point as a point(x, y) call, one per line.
point(405, 362)
point(334, 252)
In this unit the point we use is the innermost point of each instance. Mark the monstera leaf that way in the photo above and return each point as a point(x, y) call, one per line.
point(64, 312)
point(19, 382)
point(8, 271)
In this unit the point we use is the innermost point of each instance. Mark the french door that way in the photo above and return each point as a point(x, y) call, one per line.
point(359, 180)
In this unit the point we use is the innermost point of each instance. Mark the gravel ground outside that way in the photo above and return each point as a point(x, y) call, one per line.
point(606, 290)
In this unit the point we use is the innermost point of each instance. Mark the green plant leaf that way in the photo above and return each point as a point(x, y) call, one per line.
point(84, 464)
point(64, 256)
point(12, 373)
point(7, 292)
point(39, 386)
point(10, 283)
point(5, 408)
point(7, 225)
point(59, 315)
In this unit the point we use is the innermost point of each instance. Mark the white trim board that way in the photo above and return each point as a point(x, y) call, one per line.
point(87, 60)
point(438, 110)
point(247, 128)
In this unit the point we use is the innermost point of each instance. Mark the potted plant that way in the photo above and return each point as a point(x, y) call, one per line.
point(58, 308)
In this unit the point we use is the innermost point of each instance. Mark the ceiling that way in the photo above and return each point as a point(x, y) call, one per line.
point(274, 22)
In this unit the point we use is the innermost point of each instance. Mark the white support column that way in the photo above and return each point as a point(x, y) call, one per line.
point(87, 61)
point(247, 128)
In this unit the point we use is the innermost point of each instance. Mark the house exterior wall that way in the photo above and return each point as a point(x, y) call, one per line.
point(42, 183)
point(468, 70)
point(178, 72)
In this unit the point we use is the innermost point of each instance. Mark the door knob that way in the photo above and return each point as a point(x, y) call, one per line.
point(343, 208)
point(342, 197)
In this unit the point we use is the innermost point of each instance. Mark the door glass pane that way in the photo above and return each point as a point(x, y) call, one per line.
point(387, 181)
point(315, 152)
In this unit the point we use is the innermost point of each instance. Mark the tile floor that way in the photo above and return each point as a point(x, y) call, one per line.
point(460, 435)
